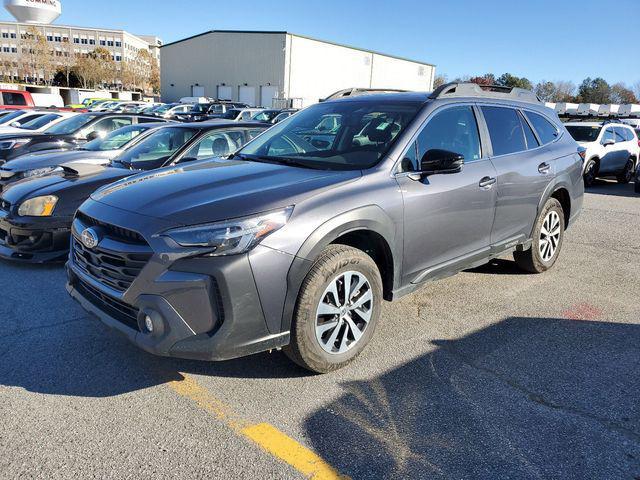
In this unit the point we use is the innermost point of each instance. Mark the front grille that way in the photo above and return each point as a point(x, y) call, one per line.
point(113, 231)
point(113, 307)
point(117, 270)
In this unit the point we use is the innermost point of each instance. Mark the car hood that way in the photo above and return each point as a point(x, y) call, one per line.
point(48, 159)
point(217, 189)
point(27, 134)
point(64, 185)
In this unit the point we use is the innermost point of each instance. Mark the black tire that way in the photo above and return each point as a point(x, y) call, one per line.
point(304, 348)
point(636, 186)
point(531, 260)
point(590, 172)
point(626, 175)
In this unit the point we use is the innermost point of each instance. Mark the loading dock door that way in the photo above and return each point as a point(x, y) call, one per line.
point(197, 91)
point(247, 95)
point(267, 94)
point(225, 92)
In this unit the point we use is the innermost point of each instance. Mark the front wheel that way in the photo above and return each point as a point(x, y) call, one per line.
point(337, 310)
point(626, 175)
point(548, 235)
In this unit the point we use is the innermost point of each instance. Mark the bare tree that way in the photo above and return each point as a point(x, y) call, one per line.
point(37, 56)
point(66, 61)
point(636, 89)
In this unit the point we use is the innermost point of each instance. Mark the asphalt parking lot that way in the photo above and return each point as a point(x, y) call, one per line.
point(489, 374)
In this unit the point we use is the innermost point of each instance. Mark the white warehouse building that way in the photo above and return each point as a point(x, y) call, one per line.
point(258, 67)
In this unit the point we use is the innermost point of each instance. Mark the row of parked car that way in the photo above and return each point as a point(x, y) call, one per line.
point(216, 239)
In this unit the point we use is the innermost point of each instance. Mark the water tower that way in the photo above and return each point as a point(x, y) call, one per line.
point(34, 11)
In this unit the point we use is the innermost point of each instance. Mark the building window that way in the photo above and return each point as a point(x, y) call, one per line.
point(5, 34)
point(5, 49)
point(103, 43)
point(57, 38)
point(65, 39)
point(76, 40)
point(84, 41)
point(109, 43)
point(14, 50)
point(118, 58)
point(92, 41)
point(118, 43)
point(13, 35)
point(49, 38)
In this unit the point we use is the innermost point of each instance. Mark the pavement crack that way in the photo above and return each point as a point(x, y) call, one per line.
point(540, 400)
point(40, 327)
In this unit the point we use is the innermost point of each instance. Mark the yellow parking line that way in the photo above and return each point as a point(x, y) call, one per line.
point(264, 435)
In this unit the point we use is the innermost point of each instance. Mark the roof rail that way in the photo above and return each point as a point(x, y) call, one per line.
point(468, 89)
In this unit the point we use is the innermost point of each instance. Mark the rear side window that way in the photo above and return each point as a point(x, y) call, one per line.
point(9, 98)
point(505, 130)
point(620, 134)
point(547, 131)
point(454, 129)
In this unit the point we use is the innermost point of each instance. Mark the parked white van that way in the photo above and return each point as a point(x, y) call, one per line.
point(564, 108)
point(588, 109)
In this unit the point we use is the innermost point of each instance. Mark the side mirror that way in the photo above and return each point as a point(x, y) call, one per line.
point(436, 161)
point(93, 136)
point(608, 142)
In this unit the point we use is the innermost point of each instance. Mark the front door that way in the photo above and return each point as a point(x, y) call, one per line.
point(447, 217)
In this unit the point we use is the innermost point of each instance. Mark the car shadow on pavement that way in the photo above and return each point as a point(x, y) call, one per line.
point(525, 398)
point(499, 266)
point(612, 188)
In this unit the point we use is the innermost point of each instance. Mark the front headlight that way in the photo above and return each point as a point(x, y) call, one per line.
point(233, 236)
point(38, 206)
point(15, 143)
point(38, 171)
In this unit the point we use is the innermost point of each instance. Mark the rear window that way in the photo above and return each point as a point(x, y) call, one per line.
point(547, 131)
point(9, 98)
point(505, 130)
point(584, 133)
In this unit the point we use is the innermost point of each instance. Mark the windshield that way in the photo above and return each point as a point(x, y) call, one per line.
point(200, 108)
point(155, 150)
point(40, 122)
point(164, 108)
point(116, 139)
point(71, 125)
point(335, 136)
point(265, 115)
point(8, 118)
point(584, 133)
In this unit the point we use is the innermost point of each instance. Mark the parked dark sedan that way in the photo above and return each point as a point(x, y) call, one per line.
point(99, 151)
point(68, 134)
point(36, 213)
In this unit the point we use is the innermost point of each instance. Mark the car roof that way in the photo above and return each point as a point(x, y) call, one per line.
point(585, 124)
point(393, 96)
point(216, 124)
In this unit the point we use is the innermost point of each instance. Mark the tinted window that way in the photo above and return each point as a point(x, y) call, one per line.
point(547, 131)
point(454, 129)
point(505, 130)
point(216, 144)
point(148, 120)
point(584, 133)
point(28, 118)
point(608, 136)
point(107, 125)
point(9, 98)
point(116, 139)
point(620, 134)
point(40, 122)
point(70, 125)
point(532, 142)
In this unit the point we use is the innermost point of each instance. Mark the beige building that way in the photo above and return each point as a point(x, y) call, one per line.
point(64, 39)
point(258, 67)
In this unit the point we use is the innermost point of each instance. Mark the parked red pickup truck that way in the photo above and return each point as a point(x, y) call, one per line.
point(15, 100)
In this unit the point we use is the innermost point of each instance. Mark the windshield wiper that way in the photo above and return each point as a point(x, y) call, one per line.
point(279, 160)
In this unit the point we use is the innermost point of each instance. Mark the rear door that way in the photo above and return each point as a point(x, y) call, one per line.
point(609, 158)
point(622, 148)
point(522, 161)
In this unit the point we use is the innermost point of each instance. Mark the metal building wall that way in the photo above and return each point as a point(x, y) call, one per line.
point(240, 61)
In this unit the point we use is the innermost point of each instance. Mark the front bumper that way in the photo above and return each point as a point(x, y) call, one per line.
point(32, 239)
point(203, 308)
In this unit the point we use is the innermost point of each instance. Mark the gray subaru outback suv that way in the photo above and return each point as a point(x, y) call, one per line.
point(294, 241)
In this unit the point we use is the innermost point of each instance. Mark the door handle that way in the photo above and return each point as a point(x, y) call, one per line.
point(544, 168)
point(487, 182)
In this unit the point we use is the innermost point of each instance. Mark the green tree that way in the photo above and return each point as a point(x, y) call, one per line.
point(595, 90)
point(509, 80)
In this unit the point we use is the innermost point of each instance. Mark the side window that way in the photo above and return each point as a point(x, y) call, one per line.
point(620, 134)
point(110, 124)
point(547, 131)
point(246, 116)
point(532, 142)
point(505, 130)
point(454, 129)
point(608, 136)
point(215, 144)
point(410, 161)
point(9, 98)
point(630, 135)
point(27, 118)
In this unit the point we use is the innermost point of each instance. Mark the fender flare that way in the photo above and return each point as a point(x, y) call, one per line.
point(371, 217)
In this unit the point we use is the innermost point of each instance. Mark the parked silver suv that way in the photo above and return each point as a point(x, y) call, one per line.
point(296, 239)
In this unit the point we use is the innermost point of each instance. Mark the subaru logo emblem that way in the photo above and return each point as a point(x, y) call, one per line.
point(89, 238)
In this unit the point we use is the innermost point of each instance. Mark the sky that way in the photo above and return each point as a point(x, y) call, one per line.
point(538, 39)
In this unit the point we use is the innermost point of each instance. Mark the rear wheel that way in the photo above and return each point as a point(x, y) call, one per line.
point(590, 172)
point(337, 311)
point(626, 175)
point(548, 235)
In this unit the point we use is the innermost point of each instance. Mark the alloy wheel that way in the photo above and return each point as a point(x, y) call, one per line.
point(549, 236)
point(344, 312)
